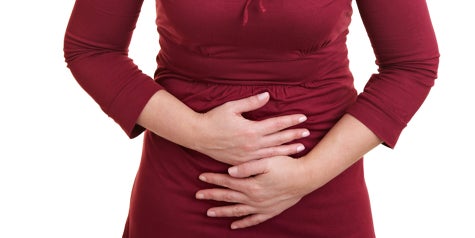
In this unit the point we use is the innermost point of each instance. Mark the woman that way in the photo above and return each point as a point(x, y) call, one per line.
point(243, 88)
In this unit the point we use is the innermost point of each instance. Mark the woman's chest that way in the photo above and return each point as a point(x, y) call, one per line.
point(292, 24)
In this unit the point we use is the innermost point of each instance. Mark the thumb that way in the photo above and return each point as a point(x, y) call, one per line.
point(251, 168)
point(250, 103)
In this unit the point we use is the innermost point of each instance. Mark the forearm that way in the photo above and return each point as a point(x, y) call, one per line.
point(170, 118)
point(222, 133)
point(96, 46)
point(341, 147)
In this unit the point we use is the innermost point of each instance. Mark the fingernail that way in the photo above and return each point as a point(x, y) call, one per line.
point(202, 178)
point(211, 214)
point(263, 96)
point(234, 227)
point(302, 119)
point(300, 148)
point(232, 171)
point(200, 196)
point(305, 133)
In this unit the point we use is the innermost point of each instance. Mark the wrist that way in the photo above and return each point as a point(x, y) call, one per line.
point(168, 117)
point(197, 136)
point(314, 173)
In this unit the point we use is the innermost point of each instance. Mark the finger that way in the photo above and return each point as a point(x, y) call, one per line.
point(284, 136)
point(224, 180)
point(275, 124)
point(250, 221)
point(219, 194)
point(250, 103)
point(282, 150)
point(237, 210)
point(251, 168)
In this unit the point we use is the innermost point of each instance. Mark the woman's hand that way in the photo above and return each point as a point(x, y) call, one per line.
point(261, 189)
point(225, 135)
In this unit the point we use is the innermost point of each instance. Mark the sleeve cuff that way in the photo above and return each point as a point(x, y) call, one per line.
point(128, 105)
point(385, 126)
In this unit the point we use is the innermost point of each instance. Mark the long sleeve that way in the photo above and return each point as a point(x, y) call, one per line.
point(407, 55)
point(96, 51)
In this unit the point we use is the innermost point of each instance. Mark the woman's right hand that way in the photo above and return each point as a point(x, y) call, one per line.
point(225, 135)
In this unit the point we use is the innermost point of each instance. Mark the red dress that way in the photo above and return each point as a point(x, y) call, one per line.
point(214, 51)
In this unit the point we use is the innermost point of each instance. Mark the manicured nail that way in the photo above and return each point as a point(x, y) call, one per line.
point(200, 196)
point(263, 96)
point(300, 148)
point(302, 119)
point(202, 178)
point(305, 133)
point(211, 214)
point(232, 171)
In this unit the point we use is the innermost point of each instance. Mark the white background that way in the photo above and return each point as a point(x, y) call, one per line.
point(66, 169)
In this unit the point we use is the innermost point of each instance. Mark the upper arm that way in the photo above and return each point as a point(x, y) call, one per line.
point(96, 51)
point(407, 55)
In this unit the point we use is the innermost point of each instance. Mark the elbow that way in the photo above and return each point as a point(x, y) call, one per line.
point(71, 49)
point(428, 65)
point(420, 67)
point(76, 49)
point(66, 52)
point(434, 63)
point(425, 71)
point(427, 68)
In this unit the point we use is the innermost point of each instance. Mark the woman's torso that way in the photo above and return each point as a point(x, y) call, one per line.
point(215, 51)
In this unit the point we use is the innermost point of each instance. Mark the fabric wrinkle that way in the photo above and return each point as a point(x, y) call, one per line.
point(245, 14)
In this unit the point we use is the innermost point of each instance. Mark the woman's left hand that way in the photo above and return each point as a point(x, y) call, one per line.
point(260, 189)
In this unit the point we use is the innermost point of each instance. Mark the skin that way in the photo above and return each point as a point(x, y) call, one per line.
point(264, 180)
point(266, 187)
point(244, 140)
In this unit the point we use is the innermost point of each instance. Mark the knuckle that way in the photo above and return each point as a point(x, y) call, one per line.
point(225, 183)
point(281, 151)
point(254, 189)
point(260, 153)
point(286, 136)
point(238, 211)
point(249, 133)
point(291, 149)
point(273, 152)
point(280, 123)
point(297, 134)
point(293, 134)
point(259, 196)
point(260, 199)
point(279, 139)
point(252, 100)
point(228, 197)
point(220, 181)
point(248, 147)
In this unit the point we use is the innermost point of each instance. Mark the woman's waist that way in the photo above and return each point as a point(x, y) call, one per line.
point(260, 68)
point(323, 105)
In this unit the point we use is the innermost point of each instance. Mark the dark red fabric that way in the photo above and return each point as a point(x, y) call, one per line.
point(213, 51)
point(96, 46)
